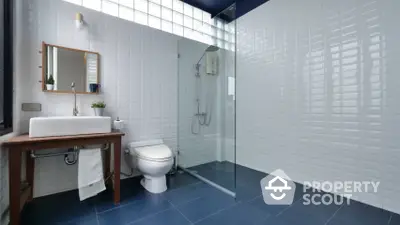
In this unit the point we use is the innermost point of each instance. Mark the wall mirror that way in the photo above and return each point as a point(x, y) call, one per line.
point(66, 70)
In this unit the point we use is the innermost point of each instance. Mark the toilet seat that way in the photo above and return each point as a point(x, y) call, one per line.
point(154, 153)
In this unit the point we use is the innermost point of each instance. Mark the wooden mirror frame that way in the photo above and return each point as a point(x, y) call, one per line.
point(44, 64)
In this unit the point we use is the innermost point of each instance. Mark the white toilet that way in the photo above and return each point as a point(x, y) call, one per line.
point(153, 159)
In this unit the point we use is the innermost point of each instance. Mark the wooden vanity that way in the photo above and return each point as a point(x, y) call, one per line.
point(20, 193)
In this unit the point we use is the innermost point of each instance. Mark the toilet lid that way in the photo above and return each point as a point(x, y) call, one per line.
point(154, 152)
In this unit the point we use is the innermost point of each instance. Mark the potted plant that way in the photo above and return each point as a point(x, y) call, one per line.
point(98, 108)
point(50, 83)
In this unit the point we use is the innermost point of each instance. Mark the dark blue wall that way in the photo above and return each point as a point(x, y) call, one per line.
point(216, 6)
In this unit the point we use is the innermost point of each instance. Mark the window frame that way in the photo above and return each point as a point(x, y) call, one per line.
point(8, 67)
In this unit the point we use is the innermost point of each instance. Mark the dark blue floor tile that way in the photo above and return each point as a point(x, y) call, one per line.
point(133, 212)
point(209, 171)
point(360, 214)
point(180, 179)
point(105, 202)
point(131, 191)
point(248, 176)
point(188, 193)
point(395, 219)
point(247, 193)
point(168, 217)
point(300, 214)
point(273, 220)
point(202, 207)
point(272, 210)
point(57, 208)
point(229, 175)
point(190, 200)
point(90, 220)
point(239, 214)
point(225, 166)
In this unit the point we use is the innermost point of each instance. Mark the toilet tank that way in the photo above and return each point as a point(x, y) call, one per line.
point(138, 144)
point(130, 159)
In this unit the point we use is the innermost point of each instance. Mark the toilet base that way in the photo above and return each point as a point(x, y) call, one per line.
point(154, 185)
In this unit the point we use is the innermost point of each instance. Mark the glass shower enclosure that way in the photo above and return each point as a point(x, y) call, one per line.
point(206, 101)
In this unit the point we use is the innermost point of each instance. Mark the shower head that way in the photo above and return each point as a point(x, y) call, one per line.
point(210, 48)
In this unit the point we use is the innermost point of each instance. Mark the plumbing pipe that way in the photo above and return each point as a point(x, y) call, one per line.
point(37, 156)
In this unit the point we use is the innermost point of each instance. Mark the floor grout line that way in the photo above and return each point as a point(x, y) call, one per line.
point(218, 211)
point(148, 216)
point(97, 219)
point(181, 212)
point(253, 199)
point(116, 207)
point(97, 216)
point(390, 218)
point(121, 205)
point(283, 210)
point(333, 215)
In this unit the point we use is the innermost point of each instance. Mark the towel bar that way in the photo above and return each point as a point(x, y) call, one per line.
point(38, 156)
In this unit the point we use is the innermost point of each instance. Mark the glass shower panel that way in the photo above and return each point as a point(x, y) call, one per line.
point(206, 102)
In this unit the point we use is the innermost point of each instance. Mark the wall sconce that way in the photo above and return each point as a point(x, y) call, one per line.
point(79, 21)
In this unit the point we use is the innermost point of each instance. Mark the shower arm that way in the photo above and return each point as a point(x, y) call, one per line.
point(210, 48)
point(198, 63)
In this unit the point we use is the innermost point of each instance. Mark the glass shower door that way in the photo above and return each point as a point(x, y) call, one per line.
point(206, 104)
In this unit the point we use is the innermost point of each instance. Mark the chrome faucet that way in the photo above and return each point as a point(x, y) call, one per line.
point(75, 109)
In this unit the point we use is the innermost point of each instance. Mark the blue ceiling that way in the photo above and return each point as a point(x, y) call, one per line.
point(217, 6)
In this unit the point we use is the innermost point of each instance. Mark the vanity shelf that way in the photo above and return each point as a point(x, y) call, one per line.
point(22, 192)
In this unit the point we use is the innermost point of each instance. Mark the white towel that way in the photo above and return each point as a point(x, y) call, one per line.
point(90, 173)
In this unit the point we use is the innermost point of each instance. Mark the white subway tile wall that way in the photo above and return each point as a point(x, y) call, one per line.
point(318, 92)
point(160, 14)
point(138, 67)
point(139, 71)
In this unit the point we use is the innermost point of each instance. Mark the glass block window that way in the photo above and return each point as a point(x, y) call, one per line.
point(172, 16)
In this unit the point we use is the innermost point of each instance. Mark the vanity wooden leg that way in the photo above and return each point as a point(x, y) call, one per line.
point(30, 171)
point(15, 185)
point(117, 170)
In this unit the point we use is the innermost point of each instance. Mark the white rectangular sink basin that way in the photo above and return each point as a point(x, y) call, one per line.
point(68, 125)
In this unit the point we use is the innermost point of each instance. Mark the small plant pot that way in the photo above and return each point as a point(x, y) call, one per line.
point(49, 87)
point(98, 111)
